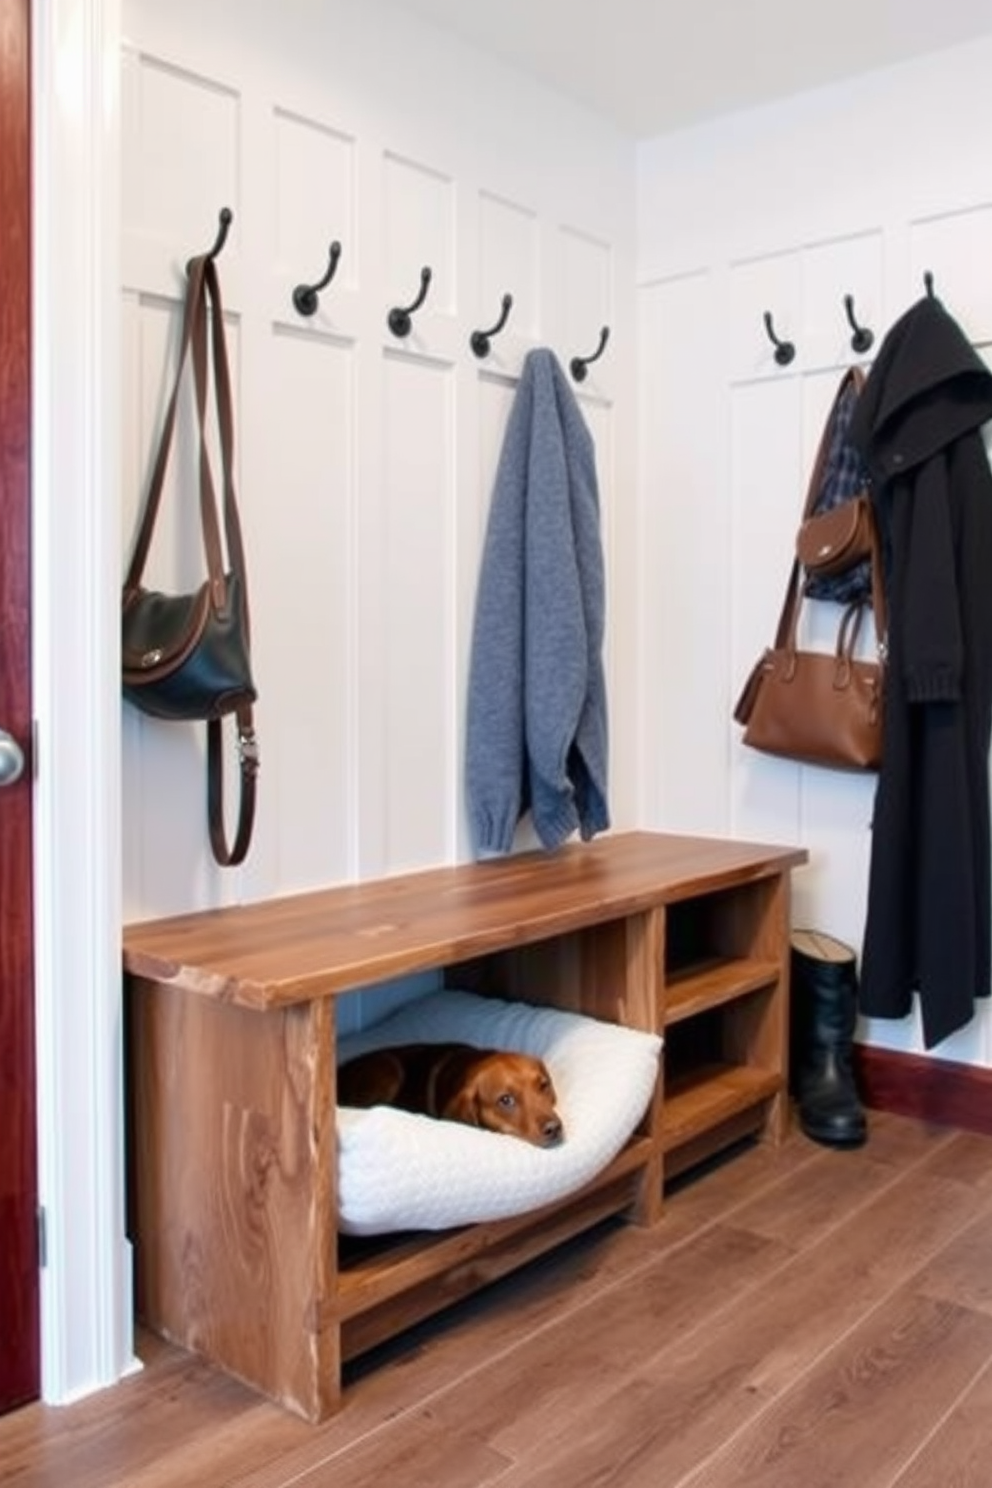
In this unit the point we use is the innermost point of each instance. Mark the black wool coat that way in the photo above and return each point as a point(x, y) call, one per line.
point(918, 427)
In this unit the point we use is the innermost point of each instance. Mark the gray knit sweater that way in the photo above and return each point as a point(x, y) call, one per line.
point(537, 714)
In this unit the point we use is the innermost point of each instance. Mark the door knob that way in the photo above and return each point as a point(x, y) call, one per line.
point(11, 759)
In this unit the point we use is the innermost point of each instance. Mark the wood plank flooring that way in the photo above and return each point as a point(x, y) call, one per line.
point(800, 1317)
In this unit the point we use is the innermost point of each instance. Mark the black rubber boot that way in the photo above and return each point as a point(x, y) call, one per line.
point(823, 1011)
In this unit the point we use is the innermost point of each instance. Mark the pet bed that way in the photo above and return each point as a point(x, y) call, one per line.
point(400, 1171)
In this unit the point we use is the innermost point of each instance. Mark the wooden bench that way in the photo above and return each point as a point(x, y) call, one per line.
point(231, 1077)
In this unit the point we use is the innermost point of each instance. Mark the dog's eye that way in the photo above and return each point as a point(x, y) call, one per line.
point(507, 1100)
point(544, 1084)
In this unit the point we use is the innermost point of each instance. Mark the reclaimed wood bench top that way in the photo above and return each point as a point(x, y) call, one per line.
point(276, 952)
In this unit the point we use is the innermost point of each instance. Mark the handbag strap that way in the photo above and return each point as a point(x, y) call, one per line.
point(225, 426)
point(847, 636)
point(230, 857)
point(193, 313)
point(203, 288)
point(247, 742)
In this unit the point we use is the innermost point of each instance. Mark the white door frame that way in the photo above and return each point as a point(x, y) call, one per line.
point(76, 572)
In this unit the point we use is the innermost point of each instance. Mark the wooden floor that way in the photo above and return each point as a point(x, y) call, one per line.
point(801, 1317)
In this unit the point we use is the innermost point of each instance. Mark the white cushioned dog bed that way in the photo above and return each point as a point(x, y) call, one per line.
point(400, 1171)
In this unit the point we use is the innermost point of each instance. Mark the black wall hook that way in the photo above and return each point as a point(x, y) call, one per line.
point(784, 350)
point(306, 297)
point(224, 219)
point(863, 339)
point(577, 366)
point(928, 284)
point(399, 317)
point(480, 340)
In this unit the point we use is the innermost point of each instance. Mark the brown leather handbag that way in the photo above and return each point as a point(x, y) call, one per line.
point(817, 707)
point(187, 656)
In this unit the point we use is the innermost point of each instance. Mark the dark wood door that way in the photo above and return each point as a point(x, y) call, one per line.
point(19, 1283)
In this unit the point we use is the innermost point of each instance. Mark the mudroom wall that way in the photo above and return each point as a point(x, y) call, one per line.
point(365, 461)
point(859, 190)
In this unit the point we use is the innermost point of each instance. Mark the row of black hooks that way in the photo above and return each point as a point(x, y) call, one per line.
point(306, 300)
point(862, 339)
point(400, 317)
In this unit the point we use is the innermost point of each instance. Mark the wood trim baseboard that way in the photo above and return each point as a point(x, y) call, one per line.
point(937, 1090)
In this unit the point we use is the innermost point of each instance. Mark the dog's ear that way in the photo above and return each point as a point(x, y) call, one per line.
point(545, 1082)
point(465, 1103)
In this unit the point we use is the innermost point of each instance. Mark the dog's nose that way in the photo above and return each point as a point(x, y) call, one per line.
point(552, 1131)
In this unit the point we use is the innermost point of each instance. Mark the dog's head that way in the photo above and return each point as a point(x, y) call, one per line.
point(510, 1093)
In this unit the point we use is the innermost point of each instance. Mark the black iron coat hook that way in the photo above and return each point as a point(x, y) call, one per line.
point(928, 284)
point(784, 350)
point(224, 219)
point(577, 366)
point(480, 340)
point(306, 297)
point(399, 317)
point(863, 339)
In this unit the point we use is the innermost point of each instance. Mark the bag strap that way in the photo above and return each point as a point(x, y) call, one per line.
point(247, 742)
point(788, 620)
point(192, 315)
point(225, 425)
point(230, 857)
point(203, 290)
point(847, 637)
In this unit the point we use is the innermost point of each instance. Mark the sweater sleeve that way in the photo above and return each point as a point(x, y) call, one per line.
point(495, 743)
point(565, 695)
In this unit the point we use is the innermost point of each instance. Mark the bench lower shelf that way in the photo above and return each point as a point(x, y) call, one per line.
point(395, 1285)
point(703, 1099)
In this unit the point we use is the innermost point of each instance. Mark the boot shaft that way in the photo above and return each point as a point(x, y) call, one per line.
point(823, 1015)
point(824, 988)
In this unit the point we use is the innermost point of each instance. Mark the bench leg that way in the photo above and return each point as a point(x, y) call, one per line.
point(233, 1175)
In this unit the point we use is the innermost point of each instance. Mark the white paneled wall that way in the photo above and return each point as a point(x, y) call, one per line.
point(365, 459)
point(855, 190)
point(684, 561)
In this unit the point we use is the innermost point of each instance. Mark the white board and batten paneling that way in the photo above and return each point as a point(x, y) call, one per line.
point(856, 190)
point(365, 461)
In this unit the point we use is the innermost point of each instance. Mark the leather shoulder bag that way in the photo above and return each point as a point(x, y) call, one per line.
point(820, 708)
point(187, 656)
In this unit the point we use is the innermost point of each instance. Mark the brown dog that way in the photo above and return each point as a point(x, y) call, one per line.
point(501, 1092)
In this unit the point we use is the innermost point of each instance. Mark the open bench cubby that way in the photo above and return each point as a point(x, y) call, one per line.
point(231, 1078)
